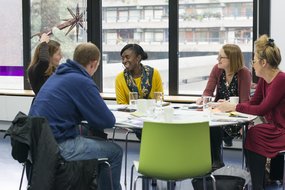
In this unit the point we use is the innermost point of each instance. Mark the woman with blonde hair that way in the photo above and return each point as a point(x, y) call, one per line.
point(264, 140)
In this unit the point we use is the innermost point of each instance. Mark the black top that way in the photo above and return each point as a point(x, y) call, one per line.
point(227, 90)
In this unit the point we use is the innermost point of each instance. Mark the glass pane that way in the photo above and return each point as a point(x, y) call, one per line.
point(64, 20)
point(142, 22)
point(11, 37)
point(203, 30)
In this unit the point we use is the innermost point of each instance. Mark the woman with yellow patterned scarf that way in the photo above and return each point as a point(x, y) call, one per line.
point(136, 77)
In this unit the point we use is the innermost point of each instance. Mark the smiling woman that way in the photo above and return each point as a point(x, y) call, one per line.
point(136, 77)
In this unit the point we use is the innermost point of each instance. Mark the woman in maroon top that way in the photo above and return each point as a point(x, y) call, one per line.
point(44, 62)
point(267, 139)
point(230, 78)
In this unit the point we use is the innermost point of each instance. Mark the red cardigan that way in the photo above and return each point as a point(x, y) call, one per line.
point(268, 100)
point(244, 82)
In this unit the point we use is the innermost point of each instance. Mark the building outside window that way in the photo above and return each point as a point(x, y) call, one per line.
point(147, 25)
point(204, 27)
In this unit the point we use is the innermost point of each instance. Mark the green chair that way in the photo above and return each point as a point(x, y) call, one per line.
point(174, 152)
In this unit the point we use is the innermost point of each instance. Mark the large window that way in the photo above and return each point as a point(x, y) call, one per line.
point(65, 21)
point(183, 51)
point(135, 23)
point(11, 37)
point(203, 30)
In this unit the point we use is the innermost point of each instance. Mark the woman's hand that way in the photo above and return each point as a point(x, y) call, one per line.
point(44, 38)
point(199, 101)
point(222, 100)
point(226, 107)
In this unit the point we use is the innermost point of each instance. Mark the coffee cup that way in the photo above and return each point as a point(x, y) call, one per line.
point(142, 106)
point(234, 99)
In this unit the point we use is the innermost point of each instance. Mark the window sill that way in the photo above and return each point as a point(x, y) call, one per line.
point(106, 96)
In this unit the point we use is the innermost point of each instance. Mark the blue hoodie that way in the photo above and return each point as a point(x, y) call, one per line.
point(68, 97)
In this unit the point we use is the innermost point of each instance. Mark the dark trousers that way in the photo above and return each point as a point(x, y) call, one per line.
point(216, 138)
point(276, 167)
point(256, 165)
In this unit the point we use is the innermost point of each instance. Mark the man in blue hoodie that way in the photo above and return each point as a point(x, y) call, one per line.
point(70, 96)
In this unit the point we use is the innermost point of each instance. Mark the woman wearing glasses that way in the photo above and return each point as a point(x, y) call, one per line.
point(230, 78)
point(264, 140)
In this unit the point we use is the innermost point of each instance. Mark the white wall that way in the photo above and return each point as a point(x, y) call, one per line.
point(278, 27)
point(11, 105)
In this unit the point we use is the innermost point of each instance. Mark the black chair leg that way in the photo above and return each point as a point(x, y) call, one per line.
point(126, 155)
point(170, 185)
point(283, 181)
point(132, 174)
point(145, 183)
point(22, 176)
point(104, 161)
point(153, 182)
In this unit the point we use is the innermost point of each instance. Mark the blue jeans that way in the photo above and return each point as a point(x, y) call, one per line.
point(81, 148)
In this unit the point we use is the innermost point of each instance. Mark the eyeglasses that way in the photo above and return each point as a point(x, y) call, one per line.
point(254, 61)
point(221, 57)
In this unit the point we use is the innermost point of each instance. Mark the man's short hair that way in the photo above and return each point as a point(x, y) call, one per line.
point(86, 52)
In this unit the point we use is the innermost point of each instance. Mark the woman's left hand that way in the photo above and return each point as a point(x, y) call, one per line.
point(226, 107)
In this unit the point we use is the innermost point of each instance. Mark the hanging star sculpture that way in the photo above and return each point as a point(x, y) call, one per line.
point(75, 21)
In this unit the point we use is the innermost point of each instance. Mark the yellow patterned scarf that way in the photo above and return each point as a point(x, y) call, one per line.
point(146, 78)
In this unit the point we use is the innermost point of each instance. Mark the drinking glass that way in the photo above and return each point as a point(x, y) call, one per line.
point(206, 102)
point(207, 105)
point(158, 97)
point(133, 97)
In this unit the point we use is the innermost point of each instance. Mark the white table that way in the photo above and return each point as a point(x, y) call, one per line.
point(183, 113)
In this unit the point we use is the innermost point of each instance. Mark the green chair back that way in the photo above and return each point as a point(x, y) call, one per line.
point(175, 151)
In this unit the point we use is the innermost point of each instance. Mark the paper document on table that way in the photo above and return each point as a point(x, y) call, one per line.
point(191, 106)
point(241, 115)
point(137, 114)
point(115, 107)
point(233, 114)
point(228, 120)
point(121, 116)
point(232, 117)
point(134, 122)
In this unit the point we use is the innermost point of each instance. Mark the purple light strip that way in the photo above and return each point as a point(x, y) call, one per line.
point(11, 71)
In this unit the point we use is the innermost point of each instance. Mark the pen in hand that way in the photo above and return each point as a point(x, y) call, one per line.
point(234, 115)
